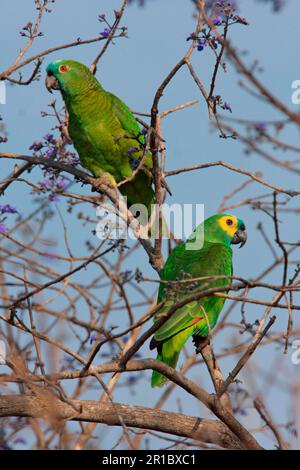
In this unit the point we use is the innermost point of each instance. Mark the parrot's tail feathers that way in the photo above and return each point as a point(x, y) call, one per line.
point(168, 352)
point(158, 379)
point(139, 191)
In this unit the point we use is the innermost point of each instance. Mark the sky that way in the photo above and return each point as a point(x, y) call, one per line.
point(133, 69)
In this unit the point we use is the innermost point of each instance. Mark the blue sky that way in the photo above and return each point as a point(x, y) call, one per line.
point(133, 69)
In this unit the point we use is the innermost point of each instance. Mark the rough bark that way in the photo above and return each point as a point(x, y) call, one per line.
point(52, 409)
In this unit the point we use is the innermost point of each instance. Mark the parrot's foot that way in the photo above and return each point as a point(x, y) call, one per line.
point(105, 179)
point(200, 342)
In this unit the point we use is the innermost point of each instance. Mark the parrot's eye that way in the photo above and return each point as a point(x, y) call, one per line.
point(229, 222)
point(64, 68)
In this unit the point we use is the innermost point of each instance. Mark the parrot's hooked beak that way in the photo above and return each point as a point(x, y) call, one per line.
point(51, 83)
point(240, 236)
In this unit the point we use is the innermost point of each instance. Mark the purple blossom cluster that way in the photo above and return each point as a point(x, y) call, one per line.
point(222, 104)
point(6, 209)
point(222, 14)
point(50, 147)
point(106, 32)
point(226, 106)
point(93, 338)
point(3, 227)
point(126, 276)
point(108, 27)
point(134, 163)
point(216, 6)
point(53, 183)
point(261, 127)
point(49, 144)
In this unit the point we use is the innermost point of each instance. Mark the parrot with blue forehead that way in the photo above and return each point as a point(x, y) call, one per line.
point(207, 252)
point(104, 131)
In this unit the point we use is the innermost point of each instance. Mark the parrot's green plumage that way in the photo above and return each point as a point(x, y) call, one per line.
point(110, 145)
point(104, 131)
point(213, 257)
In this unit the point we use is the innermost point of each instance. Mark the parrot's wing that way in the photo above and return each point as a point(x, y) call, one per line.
point(126, 118)
point(183, 318)
point(210, 260)
point(129, 124)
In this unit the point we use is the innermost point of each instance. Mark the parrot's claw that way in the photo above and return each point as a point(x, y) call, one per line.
point(106, 180)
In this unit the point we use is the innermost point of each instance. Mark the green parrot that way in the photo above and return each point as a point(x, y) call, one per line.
point(104, 131)
point(207, 252)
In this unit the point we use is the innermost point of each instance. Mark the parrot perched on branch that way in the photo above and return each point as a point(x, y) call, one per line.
point(210, 255)
point(104, 131)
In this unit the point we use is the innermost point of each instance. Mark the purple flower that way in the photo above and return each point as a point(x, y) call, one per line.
point(201, 44)
point(217, 20)
point(54, 198)
point(132, 150)
point(125, 276)
point(36, 146)
point(73, 159)
point(8, 209)
point(3, 228)
point(49, 172)
point(50, 139)
point(224, 3)
point(93, 338)
point(50, 153)
point(226, 106)
point(54, 183)
point(61, 184)
point(46, 184)
point(222, 7)
point(132, 379)
point(134, 163)
point(105, 33)
point(261, 127)
point(240, 411)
